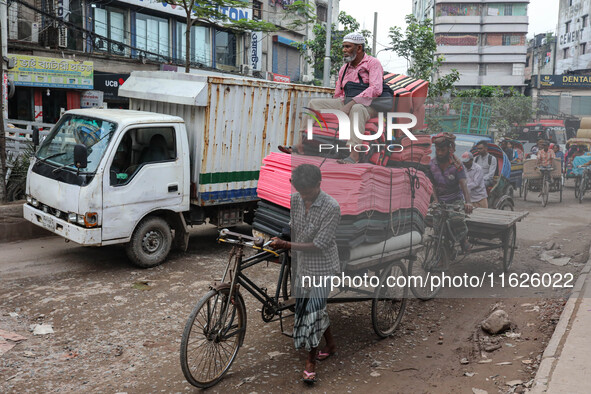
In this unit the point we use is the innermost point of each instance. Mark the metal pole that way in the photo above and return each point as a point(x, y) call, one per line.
point(3, 52)
point(326, 75)
point(375, 34)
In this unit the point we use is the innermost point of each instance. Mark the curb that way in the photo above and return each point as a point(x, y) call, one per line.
point(553, 349)
point(13, 227)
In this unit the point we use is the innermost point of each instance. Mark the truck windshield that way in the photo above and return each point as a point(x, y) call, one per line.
point(58, 147)
point(557, 135)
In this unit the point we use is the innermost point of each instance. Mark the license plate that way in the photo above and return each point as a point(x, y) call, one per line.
point(49, 222)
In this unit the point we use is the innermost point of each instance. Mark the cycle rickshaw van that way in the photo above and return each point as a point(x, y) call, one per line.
point(581, 142)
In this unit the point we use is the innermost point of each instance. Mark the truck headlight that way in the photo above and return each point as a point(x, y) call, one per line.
point(80, 220)
point(72, 217)
point(91, 219)
point(34, 202)
point(29, 199)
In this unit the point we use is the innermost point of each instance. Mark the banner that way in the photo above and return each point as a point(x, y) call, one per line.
point(49, 72)
point(256, 50)
point(565, 81)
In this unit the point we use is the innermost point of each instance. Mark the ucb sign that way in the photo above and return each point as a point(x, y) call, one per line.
point(109, 84)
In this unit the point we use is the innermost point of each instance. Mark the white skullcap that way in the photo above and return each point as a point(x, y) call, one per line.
point(354, 38)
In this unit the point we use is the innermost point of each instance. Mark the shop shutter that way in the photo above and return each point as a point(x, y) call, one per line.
point(286, 61)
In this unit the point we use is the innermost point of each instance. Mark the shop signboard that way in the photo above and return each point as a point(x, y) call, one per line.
point(91, 98)
point(256, 50)
point(281, 78)
point(109, 84)
point(565, 81)
point(46, 72)
point(233, 13)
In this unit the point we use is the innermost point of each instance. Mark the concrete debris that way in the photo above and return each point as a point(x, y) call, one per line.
point(497, 322)
point(42, 329)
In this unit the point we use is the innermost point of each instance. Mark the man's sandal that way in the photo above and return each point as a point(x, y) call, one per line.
point(285, 149)
point(324, 355)
point(309, 377)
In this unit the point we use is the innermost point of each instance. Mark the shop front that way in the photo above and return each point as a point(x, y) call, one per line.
point(109, 84)
point(46, 87)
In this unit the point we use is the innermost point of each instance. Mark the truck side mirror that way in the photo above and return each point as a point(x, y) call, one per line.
point(80, 156)
point(35, 137)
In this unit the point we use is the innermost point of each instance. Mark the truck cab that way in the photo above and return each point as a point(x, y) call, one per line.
point(131, 186)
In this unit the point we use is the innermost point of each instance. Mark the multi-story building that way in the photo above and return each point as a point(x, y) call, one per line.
point(574, 37)
point(67, 48)
point(485, 40)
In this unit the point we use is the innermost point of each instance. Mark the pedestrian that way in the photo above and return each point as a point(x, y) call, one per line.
point(358, 65)
point(314, 219)
point(487, 161)
point(475, 181)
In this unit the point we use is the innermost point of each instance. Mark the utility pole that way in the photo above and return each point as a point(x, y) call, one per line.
point(3, 53)
point(326, 74)
point(375, 34)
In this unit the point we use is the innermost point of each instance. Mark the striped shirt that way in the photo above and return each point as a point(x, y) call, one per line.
point(318, 226)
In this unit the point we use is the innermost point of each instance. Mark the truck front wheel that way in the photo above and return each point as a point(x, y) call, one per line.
point(150, 243)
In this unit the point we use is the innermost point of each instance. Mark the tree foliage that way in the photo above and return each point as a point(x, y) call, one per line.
point(507, 107)
point(418, 46)
point(314, 50)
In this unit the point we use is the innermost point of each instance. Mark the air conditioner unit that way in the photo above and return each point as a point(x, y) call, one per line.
point(28, 31)
point(62, 40)
point(245, 69)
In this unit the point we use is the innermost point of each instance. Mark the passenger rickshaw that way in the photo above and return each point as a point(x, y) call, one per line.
point(582, 176)
point(500, 196)
point(585, 143)
point(516, 177)
point(542, 180)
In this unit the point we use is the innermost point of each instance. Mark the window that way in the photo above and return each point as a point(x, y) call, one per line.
point(457, 39)
point(321, 13)
point(565, 53)
point(200, 44)
point(585, 21)
point(567, 24)
point(518, 69)
point(482, 69)
point(508, 10)
point(257, 10)
point(458, 9)
point(152, 36)
point(513, 39)
point(225, 49)
point(110, 23)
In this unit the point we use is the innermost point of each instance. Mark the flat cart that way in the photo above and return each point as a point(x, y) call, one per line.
point(216, 327)
point(487, 225)
point(488, 229)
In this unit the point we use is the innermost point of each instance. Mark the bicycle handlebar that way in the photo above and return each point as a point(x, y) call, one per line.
point(240, 238)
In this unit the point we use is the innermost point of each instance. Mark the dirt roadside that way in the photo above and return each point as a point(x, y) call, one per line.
point(118, 329)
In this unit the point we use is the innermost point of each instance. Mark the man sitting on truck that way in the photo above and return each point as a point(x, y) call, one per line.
point(357, 65)
point(487, 162)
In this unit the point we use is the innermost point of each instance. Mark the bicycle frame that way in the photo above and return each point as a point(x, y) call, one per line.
point(236, 265)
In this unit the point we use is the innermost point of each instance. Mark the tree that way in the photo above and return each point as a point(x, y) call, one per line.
point(418, 46)
point(209, 12)
point(314, 50)
point(507, 107)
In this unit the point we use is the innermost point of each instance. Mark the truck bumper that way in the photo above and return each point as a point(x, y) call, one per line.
point(80, 235)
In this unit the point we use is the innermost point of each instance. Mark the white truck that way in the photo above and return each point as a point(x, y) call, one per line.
point(188, 150)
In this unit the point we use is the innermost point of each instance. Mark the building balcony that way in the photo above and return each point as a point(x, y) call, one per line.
point(504, 27)
point(460, 58)
point(456, 28)
point(506, 19)
point(458, 49)
point(451, 20)
point(503, 80)
point(504, 49)
point(503, 58)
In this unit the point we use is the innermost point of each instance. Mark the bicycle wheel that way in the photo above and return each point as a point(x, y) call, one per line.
point(286, 281)
point(211, 338)
point(525, 186)
point(545, 191)
point(425, 265)
point(582, 187)
point(509, 247)
point(389, 302)
point(577, 183)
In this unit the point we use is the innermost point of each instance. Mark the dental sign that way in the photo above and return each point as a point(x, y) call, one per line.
point(234, 14)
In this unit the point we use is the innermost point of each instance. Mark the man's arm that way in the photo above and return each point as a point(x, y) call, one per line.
point(468, 204)
point(491, 170)
point(338, 89)
point(376, 82)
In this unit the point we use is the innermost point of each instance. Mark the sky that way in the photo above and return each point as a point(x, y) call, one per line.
point(543, 17)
